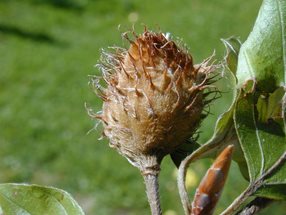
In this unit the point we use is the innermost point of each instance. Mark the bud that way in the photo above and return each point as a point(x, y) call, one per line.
point(154, 98)
point(211, 186)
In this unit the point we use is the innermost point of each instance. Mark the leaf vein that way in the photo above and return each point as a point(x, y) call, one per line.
point(10, 200)
point(259, 142)
point(283, 36)
point(248, 64)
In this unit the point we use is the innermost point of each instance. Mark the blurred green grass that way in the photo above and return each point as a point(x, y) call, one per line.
point(48, 49)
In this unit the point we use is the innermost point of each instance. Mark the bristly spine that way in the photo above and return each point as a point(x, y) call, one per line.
point(154, 100)
point(155, 97)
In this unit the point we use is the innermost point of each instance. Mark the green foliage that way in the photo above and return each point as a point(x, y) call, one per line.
point(32, 199)
point(232, 46)
point(262, 56)
point(259, 110)
point(48, 49)
point(255, 121)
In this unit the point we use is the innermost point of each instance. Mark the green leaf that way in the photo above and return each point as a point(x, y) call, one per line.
point(259, 111)
point(232, 46)
point(269, 107)
point(223, 132)
point(274, 191)
point(262, 142)
point(224, 123)
point(263, 56)
point(245, 127)
point(24, 199)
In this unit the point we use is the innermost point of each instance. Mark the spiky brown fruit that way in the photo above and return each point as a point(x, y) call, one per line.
point(154, 99)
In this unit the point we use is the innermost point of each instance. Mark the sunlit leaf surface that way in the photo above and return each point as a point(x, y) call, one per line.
point(259, 110)
point(24, 199)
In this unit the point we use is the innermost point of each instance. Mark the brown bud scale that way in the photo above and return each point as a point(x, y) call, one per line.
point(211, 186)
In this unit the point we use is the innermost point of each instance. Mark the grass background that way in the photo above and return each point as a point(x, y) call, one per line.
point(47, 50)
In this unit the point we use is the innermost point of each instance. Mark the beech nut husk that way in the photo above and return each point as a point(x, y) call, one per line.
point(154, 98)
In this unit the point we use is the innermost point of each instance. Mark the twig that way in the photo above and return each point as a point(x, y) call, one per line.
point(152, 191)
point(254, 186)
point(255, 206)
point(183, 171)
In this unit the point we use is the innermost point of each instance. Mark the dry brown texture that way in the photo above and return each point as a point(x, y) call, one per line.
point(211, 186)
point(154, 97)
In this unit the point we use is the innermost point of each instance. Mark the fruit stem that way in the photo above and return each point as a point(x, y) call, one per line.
point(152, 191)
